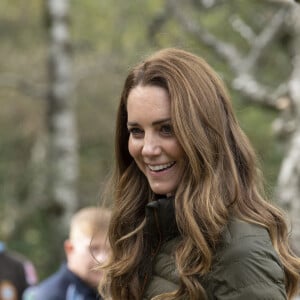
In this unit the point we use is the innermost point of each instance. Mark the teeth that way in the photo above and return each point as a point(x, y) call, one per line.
point(161, 167)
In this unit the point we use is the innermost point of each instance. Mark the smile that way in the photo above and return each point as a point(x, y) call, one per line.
point(159, 168)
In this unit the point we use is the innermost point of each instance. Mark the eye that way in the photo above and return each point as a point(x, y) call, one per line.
point(135, 131)
point(95, 249)
point(167, 129)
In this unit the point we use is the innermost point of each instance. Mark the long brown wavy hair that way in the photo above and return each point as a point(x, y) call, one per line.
point(220, 180)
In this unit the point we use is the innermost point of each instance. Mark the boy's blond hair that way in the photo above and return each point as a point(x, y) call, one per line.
point(89, 221)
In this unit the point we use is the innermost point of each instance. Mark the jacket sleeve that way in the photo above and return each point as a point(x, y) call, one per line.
point(248, 269)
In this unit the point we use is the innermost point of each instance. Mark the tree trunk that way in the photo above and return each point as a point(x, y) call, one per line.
point(61, 120)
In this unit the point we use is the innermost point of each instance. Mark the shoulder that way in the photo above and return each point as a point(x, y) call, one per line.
point(52, 288)
point(48, 289)
point(246, 265)
point(241, 239)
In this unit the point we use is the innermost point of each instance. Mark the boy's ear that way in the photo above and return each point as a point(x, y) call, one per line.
point(68, 246)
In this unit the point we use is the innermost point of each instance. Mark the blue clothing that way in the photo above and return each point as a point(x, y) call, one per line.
point(63, 285)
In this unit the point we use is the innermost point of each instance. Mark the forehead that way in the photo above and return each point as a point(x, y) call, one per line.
point(147, 100)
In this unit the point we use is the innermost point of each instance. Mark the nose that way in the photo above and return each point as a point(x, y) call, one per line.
point(151, 146)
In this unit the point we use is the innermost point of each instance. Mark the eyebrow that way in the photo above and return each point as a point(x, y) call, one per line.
point(160, 121)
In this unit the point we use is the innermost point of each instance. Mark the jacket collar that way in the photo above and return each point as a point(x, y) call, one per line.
point(161, 221)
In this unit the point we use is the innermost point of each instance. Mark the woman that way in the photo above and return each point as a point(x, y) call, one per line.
point(190, 220)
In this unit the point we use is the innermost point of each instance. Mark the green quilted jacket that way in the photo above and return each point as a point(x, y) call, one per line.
point(246, 266)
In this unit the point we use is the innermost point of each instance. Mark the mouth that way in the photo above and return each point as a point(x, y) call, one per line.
point(159, 168)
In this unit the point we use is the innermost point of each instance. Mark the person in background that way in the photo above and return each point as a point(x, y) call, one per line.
point(190, 219)
point(85, 248)
point(16, 274)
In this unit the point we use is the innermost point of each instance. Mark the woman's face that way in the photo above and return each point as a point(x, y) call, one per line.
point(152, 142)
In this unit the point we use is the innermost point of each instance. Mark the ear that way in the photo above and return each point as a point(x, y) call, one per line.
point(68, 246)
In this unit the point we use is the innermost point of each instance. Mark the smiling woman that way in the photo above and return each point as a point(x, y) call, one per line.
point(190, 219)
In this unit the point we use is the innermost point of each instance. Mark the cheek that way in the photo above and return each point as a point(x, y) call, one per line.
point(133, 148)
point(177, 150)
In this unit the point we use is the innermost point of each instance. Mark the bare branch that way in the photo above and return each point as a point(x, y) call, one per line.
point(226, 51)
point(242, 28)
point(258, 93)
point(263, 40)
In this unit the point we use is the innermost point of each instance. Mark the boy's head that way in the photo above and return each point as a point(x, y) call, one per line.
point(87, 243)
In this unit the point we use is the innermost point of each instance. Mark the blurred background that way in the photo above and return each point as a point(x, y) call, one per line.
point(62, 67)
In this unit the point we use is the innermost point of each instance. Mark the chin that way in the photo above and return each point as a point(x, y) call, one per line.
point(160, 191)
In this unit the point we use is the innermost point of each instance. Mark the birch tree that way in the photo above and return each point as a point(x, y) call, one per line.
point(61, 120)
